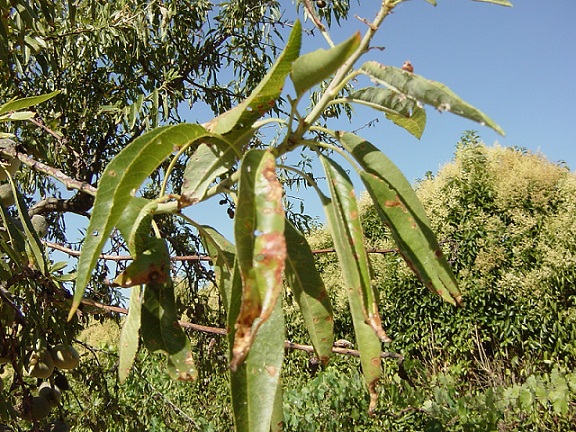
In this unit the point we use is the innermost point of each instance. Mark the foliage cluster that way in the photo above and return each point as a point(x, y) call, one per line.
point(505, 218)
point(136, 179)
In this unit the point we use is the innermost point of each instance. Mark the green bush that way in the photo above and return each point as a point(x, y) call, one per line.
point(507, 221)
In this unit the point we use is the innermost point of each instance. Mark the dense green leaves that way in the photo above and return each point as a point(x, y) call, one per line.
point(425, 91)
point(142, 60)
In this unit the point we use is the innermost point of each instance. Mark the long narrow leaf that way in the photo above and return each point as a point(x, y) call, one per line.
point(342, 216)
point(256, 382)
point(159, 321)
point(400, 209)
point(122, 177)
point(130, 335)
point(426, 91)
point(309, 292)
point(260, 244)
point(497, 2)
point(34, 247)
point(264, 96)
point(19, 104)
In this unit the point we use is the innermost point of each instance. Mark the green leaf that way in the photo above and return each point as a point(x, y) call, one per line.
point(12, 240)
point(342, 216)
point(121, 178)
point(255, 385)
point(400, 209)
point(403, 111)
point(19, 104)
point(429, 92)
point(18, 115)
point(130, 335)
point(159, 321)
point(497, 2)
point(309, 292)
point(314, 67)
point(260, 245)
point(223, 255)
point(264, 96)
point(204, 166)
point(34, 247)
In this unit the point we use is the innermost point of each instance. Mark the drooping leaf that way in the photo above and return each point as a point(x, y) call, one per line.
point(255, 384)
point(130, 335)
point(400, 209)
point(159, 320)
point(344, 224)
point(34, 248)
point(342, 217)
point(12, 240)
point(426, 91)
point(309, 292)
point(19, 104)
point(223, 255)
point(122, 177)
point(260, 245)
point(403, 111)
point(314, 67)
point(264, 96)
point(204, 166)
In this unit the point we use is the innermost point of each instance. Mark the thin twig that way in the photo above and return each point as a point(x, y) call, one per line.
point(68, 181)
point(106, 257)
point(224, 332)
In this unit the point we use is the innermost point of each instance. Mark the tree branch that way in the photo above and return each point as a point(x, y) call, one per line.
point(76, 253)
point(223, 332)
point(69, 182)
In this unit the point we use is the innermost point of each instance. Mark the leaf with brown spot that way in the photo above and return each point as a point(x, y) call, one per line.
point(124, 175)
point(406, 218)
point(349, 244)
point(260, 244)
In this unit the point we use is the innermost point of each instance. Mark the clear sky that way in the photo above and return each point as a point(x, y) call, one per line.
point(518, 65)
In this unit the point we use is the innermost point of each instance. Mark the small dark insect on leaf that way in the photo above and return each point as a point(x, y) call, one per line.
point(321, 4)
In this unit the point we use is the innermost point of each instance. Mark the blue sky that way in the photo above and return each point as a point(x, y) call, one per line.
point(515, 64)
